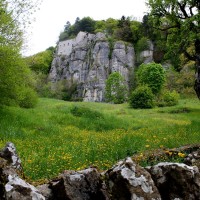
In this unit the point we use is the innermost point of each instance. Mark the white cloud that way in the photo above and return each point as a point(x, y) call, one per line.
point(53, 15)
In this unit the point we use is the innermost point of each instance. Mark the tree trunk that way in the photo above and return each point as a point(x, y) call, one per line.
point(197, 81)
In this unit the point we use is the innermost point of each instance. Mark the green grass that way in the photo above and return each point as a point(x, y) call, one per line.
point(58, 135)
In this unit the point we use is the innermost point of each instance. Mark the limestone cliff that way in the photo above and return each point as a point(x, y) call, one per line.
point(87, 62)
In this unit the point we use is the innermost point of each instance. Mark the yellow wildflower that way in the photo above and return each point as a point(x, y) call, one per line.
point(182, 155)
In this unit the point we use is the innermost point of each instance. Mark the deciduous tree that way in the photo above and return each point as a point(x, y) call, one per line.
point(180, 20)
point(116, 90)
point(15, 77)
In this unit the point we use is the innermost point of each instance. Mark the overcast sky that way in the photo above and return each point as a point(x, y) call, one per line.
point(53, 15)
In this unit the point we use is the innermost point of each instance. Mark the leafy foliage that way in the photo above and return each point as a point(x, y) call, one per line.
point(16, 81)
point(124, 32)
point(142, 97)
point(183, 81)
point(116, 90)
point(153, 75)
point(179, 22)
point(124, 29)
point(40, 62)
point(142, 44)
point(86, 24)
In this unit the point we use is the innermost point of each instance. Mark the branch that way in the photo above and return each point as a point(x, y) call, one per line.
point(167, 28)
point(182, 8)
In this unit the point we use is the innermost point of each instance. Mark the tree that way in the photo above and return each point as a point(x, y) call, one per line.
point(153, 75)
point(124, 31)
point(16, 83)
point(180, 21)
point(116, 89)
point(40, 62)
point(86, 24)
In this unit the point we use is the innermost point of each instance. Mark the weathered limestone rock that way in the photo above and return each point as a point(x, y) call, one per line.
point(12, 187)
point(81, 185)
point(146, 56)
point(176, 181)
point(16, 189)
point(87, 62)
point(46, 191)
point(9, 153)
point(126, 180)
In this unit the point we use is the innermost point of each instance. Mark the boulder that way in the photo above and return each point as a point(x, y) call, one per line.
point(128, 181)
point(80, 185)
point(176, 181)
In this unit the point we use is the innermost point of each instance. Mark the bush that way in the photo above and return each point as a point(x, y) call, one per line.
point(169, 99)
point(30, 99)
point(142, 97)
point(153, 75)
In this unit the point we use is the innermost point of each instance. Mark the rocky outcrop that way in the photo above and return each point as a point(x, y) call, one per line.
point(87, 62)
point(147, 55)
point(124, 181)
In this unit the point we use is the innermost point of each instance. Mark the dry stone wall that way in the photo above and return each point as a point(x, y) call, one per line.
point(124, 181)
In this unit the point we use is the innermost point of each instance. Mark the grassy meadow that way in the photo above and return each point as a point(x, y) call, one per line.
point(59, 135)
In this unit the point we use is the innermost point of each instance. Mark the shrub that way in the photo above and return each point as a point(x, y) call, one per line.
point(153, 75)
point(142, 97)
point(169, 99)
point(30, 99)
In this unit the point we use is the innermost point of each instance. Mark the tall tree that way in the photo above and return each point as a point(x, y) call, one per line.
point(124, 31)
point(16, 84)
point(180, 20)
point(116, 89)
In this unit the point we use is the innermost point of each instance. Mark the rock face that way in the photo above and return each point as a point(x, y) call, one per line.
point(124, 181)
point(147, 55)
point(87, 61)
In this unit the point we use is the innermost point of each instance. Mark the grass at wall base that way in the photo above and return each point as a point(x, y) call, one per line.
point(58, 135)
